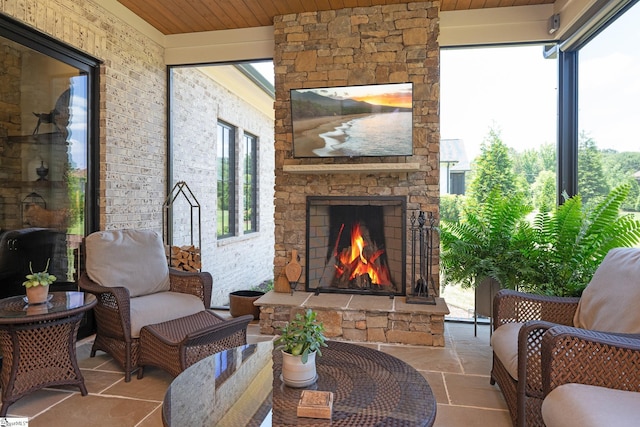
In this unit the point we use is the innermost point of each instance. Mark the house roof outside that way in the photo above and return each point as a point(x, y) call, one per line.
point(453, 151)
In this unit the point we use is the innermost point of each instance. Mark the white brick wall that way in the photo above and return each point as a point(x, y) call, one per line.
point(132, 104)
point(244, 260)
point(132, 141)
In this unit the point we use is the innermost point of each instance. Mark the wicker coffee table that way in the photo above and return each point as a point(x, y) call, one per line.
point(242, 387)
point(38, 344)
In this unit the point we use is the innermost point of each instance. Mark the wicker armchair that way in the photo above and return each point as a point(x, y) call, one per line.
point(127, 271)
point(580, 357)
point(113, 316)
point(532, 315)
point(521, 322)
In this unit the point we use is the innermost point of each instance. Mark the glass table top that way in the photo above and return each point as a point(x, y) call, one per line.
point(17, 309)
point(242, 387)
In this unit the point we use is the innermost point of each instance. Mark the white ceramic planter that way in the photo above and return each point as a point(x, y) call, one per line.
point(298, 374)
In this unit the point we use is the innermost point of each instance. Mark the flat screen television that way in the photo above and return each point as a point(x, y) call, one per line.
point(353, 121)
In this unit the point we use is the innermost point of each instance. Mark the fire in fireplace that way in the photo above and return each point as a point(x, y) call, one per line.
point(356, 245)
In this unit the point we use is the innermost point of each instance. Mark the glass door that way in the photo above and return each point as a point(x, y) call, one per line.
point(44, 145)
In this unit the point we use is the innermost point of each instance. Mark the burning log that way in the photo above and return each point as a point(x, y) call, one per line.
point(185, 258)
point(358, 266)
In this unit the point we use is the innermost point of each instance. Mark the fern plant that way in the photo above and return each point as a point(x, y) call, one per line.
point(488, 242)
point(571, 243)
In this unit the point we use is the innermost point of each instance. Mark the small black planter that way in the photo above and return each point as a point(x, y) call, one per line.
point(241, 303)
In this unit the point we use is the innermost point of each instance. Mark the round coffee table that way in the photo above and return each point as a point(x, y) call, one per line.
point(242, 387)
point(38, 344)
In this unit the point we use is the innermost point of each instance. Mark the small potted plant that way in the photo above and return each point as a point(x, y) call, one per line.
point(37, 285)
point(300, 340)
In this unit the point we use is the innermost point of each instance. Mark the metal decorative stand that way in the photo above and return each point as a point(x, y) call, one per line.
point(421, 264)
point(181, 188)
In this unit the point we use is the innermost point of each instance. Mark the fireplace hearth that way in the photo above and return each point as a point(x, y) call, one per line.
point(356, 245)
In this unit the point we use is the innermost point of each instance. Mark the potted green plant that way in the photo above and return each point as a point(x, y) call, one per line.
point(572, 241)
point(486, 248)
point(300, 340)
point(555, 254)
point(37, 284)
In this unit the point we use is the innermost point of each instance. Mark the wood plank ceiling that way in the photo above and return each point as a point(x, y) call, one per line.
point(190, 16)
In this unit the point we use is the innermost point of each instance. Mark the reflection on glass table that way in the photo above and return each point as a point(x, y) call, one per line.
point(242, 387)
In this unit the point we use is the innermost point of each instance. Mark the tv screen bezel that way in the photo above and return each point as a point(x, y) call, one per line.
point(392, 87)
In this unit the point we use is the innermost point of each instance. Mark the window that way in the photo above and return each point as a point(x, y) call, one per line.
point(250, 183)
point(498, 127)
point(225, 162)
point(48, 119)
point(608, 110)
point(457, 183)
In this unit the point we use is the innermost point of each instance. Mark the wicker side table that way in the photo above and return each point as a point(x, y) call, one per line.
point(177, 344)
point(38, 344)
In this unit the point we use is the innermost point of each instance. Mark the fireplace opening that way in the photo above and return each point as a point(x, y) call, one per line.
point(356, 245)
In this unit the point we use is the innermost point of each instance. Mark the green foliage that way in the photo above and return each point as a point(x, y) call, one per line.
point(451, 206)
point(42, 278)
point(544, 190)
point(591, 178)
point(302, 335)
point(571, 242)
point(548, 157)
point(494, 169)
point(489, 241)
point(527, 164)
point(265, 286)
point(556, 255)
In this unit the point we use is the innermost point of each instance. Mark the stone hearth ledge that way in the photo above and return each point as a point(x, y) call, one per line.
point(360, 318)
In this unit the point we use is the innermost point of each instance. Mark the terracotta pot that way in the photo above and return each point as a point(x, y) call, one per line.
point(241, 303)
point(298, 374)
point(37, 294)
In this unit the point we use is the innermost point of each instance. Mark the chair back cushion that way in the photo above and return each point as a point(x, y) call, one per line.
point(610, 301)
point(134, 259)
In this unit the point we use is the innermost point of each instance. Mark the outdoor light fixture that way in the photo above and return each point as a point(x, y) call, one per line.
point(553, 24)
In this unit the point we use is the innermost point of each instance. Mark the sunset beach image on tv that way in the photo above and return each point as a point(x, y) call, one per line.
point(353, 121)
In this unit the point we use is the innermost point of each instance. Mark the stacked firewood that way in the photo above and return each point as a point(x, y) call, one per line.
point(185, 258)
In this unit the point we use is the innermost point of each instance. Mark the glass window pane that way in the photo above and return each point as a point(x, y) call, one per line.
point(498, 112)
point(609, 89)
point(250, 180)
point(226, 174)
point(43, 165)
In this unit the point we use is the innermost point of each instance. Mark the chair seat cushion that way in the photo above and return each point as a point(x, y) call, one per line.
point(579, 405)
point(134, 259)
point(613, 289)
point(505, 346)
point(161, 307)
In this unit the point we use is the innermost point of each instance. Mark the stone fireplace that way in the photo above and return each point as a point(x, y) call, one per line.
point(357, 46)
point(356, 245)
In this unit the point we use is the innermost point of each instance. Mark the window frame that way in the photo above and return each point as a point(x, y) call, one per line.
point(229, 180)
point(250, 173)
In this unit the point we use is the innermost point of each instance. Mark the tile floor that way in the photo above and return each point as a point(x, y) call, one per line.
point(458, 375)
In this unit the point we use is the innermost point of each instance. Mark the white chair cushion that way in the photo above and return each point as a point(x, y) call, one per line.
point(162, 307)
point(134, 259)
point(579, 405)
point(610, 301)
point(505, 345)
